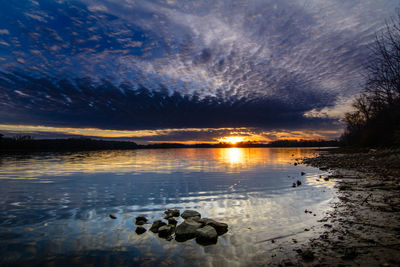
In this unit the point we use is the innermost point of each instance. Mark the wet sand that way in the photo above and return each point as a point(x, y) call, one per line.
point(363, 228)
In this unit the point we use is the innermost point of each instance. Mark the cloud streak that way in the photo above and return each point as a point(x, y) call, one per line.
point(182, 135)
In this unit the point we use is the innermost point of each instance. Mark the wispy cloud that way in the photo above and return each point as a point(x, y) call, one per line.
point(296, 62)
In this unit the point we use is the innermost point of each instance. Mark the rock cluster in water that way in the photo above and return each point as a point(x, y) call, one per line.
point(297, 183)
point(205, 230)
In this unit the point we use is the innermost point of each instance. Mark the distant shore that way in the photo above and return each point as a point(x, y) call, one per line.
point(363, 228)
point(26, 143)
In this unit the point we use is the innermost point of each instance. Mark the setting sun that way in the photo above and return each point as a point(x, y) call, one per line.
point(232, 139)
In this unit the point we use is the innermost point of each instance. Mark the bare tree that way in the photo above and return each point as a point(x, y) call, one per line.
point(376, 119)
point(383, 82)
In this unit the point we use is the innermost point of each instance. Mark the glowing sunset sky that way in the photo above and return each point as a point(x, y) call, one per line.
point(156, 71)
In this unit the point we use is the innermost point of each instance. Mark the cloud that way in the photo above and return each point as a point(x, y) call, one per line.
point(177, 64)
point(337, 111)
point(97, 7)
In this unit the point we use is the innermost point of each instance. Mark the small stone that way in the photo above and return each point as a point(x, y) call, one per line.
point(140, 222)
point(156, 225)
point(326, 178)
point(206, 235)
point(306, 229)
point(166, 230)
point(294, 185)
point(113, 216)
point(328, 225)
point(349, 254)
point(194, 215)
point(287, 262)
point(295, 164)
point(298, 182)
point(307, 255)
point(140, 230)
point(302, 173)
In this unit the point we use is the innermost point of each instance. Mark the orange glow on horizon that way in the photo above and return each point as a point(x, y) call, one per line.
point(232, 139)
point(186, 142)
point(229, 135)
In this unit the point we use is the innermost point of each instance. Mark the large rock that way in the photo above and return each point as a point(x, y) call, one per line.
point(186, 230)
point(206, 235)
point(166, 230)
point(172, 221)
point(156, 225)
point(191, 214)
point(220, 227)
point(140, 230)
point(171, 213)
point(140, 223)
point(141, 220)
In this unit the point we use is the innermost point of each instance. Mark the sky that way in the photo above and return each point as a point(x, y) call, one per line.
point(184, 71)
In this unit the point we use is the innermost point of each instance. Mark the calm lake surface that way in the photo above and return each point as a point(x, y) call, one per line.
point(54, 207)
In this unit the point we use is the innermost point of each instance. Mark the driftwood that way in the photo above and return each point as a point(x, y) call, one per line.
point(279, 237)
point(365, 200)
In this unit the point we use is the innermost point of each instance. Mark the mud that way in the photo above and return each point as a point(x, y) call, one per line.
point(363, 228)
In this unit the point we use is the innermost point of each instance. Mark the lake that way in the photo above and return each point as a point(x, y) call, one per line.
point(55, 207)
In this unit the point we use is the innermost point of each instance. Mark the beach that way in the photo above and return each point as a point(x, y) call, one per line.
point(363, 228)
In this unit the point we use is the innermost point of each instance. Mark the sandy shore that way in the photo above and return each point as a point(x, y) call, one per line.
point(363, 228)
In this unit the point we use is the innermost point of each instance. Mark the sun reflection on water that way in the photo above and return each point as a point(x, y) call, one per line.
point(235, 155)
point(30, 166)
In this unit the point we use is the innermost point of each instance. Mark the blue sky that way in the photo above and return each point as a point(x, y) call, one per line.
point(266, 66)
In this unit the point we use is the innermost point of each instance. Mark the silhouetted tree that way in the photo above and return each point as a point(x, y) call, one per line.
point(376, 119)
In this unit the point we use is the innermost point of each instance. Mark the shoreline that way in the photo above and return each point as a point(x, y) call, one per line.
point(363, 228)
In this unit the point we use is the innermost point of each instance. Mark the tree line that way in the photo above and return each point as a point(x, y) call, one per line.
point(375, 120)
point(27, 143)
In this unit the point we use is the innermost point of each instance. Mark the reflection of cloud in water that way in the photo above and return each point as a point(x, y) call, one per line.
point(141, 161)
point(268, 217)
point(70, 215)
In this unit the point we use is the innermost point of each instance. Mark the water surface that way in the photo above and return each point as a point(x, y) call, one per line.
point(55, 206)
